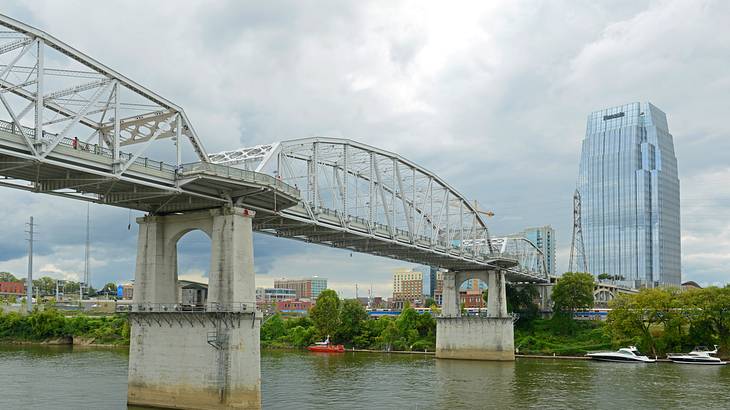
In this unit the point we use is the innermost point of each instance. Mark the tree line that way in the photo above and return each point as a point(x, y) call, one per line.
point(346, 322)
point(46, 286)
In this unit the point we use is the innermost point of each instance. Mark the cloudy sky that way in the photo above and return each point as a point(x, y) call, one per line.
point(492, 96)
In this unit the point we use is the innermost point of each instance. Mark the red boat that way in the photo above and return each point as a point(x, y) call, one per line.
point(326, 347)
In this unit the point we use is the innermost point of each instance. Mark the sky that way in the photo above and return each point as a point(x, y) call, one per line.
point(491, 96)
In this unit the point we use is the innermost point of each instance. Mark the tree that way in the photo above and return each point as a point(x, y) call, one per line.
point(326, 313)
point(521, 299)
point(8, 277)
point(573, 291)
point(710, 311)
point(272, 329)
point(45, 285)
point(635, 316)
point(352, 315)
point(110, 287)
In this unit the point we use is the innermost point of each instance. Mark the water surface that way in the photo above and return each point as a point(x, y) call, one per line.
point(73, 378)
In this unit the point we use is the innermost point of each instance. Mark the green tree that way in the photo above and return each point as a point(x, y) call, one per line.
point(352, 316)
point(521, 299)
point(326, 313)
point(709, 313)
point(640, 316)
point(389, 334)
point(573, 291)
point(272, 329)
point(110, 287)
point(45, 285)
point(8, 277)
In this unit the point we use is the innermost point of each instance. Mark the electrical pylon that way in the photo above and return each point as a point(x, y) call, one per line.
point(577, 250)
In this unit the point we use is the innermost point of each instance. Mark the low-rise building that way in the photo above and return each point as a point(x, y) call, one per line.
point(309, 288)
point(272, 295)
point(293, 306)
point(12, 288)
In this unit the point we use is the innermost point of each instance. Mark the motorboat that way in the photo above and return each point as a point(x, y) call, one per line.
point(326, 347)
point(700, 355)
point(626, 354)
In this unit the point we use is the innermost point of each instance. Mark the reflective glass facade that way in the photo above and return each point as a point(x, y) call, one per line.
point(630, 196)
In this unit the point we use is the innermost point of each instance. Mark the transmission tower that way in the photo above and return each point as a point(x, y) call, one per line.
point(578, 258)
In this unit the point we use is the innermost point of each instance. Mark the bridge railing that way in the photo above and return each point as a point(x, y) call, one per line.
point(90, 148)
point(237, 173)
point(187, 308)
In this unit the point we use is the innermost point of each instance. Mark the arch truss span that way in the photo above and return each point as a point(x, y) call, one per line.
point(365, 199)
point(51, 93)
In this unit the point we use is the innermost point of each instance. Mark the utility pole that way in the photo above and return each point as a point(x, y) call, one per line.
point(87, 272)
point(356, 295)
point(578, 258)
point(29, 284)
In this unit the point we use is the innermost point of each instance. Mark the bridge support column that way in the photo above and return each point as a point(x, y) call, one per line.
point(195, 357)
point(489, 337)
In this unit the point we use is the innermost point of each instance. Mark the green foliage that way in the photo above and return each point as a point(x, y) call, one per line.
point(352, 316)
point(50, 323)
point(326, 313)
point(542, 338)
point(662, 320)
point(45, 285)
point(409, 331)
point(606, 276)
point(521, 300)
point(573, 291)
point(8, 277)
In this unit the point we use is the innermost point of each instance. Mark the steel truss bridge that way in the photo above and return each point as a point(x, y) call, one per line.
point(75, 128)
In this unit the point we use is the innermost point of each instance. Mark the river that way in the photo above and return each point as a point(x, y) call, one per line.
point(68, 378)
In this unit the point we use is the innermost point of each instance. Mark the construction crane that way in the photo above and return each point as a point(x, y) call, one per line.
point(489, 214)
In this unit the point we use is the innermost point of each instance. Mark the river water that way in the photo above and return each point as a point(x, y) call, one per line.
point(67, 378)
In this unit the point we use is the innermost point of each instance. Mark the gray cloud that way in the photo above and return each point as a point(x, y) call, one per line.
point(491, 96)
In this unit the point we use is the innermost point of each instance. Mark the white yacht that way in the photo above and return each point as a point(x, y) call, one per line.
point(701, 355)
point(626, 354)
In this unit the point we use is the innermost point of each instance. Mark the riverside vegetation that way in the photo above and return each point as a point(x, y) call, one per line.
point(50, 325)
point(656, 320)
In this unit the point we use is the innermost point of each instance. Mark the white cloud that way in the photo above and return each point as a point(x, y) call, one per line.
point(492, 96)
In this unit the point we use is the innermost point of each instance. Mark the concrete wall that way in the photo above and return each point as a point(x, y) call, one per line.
point(196, 360)
point(175, 367)
point(475, 338)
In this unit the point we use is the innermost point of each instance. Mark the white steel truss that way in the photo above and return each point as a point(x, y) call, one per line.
point(50, 91)
point(363, 198)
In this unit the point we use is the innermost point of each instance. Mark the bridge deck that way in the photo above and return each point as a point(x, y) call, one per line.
point(87, 172)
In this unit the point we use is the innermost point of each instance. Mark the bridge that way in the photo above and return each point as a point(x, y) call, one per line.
point(76, 128)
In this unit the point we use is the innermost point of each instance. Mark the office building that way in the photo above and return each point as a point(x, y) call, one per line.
point(629, 191)
point(407, 287)
point(303, 288)
point(271, 295)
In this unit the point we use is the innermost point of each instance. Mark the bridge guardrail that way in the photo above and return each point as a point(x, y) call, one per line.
point(90, 148)
point(237, 173)
point(186, 308)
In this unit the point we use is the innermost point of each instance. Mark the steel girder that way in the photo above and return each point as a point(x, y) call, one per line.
point(362, 198)
point(51, 91)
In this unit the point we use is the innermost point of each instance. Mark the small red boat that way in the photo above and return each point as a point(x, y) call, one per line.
point(326, 347)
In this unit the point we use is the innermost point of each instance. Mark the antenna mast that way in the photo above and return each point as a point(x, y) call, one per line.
point(578, 258)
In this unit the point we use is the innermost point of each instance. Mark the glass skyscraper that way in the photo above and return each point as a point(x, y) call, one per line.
point(630, 196)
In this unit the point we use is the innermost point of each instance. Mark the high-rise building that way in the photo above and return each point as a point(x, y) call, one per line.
point(407, 286)
point(629, 192)
point(544, 238)
point(304, 288)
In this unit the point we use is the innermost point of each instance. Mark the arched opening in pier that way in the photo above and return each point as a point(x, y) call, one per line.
point(472, 295)
point(193, 253)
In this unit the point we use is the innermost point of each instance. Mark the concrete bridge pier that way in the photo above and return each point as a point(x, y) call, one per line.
point(489, 337)
point(195, 357)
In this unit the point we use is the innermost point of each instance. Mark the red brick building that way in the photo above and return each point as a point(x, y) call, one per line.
point(298, 306)
point(12, 288)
